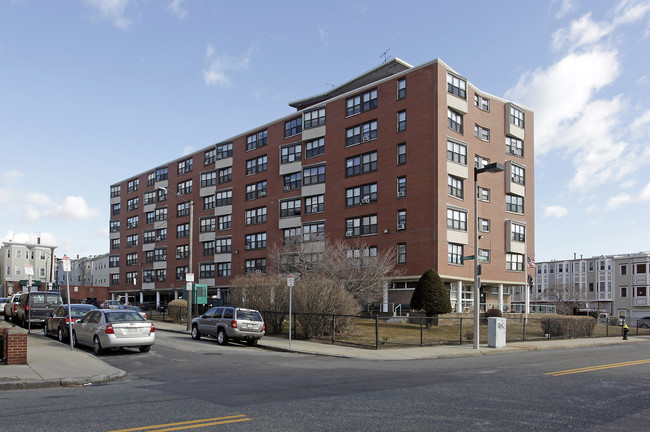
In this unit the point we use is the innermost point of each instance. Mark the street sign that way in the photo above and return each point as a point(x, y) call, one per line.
point(189, 277)
point(66, 264)
point(29, 270)
point(290, 280)
point(471, 257)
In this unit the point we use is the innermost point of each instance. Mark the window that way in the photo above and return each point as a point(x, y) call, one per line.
point(481, 102)
point(257, 165)
point(131, 277)
point(255, 190)
point(514, 203)
point(484, 225)
point(457, 219)
point(639, 268)
point(257, 265)
point(401, 121)
point(313, 232)
point(160, 254)
point(161, 174)
point(401, 253)
point(361, 164)
point(454, 121)
point(115, 191)
point(401, 154)
point(208, 178)
point(315, 147)
point(456, 86)
point(514, 146)
point(455, 186)
point(185, 187)
point(210, 156)
point(256, 140)
point(223, 270)
point(292, 181)
point(480, 161)
point(224, 198)
point(623, 269)
point(115, 244)
point(161, 214)
point(291, 236)
point(182, 252)
point(115, 279)
point(149, 237)
point(517, 174)
point(207, 224)
point(206, 270)
point(401, 187)
point(224, 151)
point(290, 208)
point(223, 245)
point(361, 103)
point(483, 194)
point(361, 133)
point(293, 127)
point(225, 175)
point(516, 116)
point(314, 204)
point(401, 220)
point(224, 222)
point(114, 261)
point(116, 208)
point(315, 118)
point(314, 175)
point(161, 275)
point(185, 166)
point(456, 152)
point(256, 216)
point(133, 185)
point(183, 209)
point(151, 179)
point(161, 234)
point(162, 195)
point(149, 197)
point(481, 133)
point(514, 262)
point(114, 227)
point(182, 230)
point(132, 204)
point(132, 222)
point(623, 292)
point(291, 153)
point(454, 253)
point(132, 240)
point(401, 88)
point(518, 233)
point(255, 241)
point(180, 273)
point(209, 202)
point(365, 225)
point(359, 195)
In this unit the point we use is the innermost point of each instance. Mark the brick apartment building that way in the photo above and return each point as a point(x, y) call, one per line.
point(386, 158)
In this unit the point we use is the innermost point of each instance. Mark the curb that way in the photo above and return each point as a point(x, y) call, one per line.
point(60, 382)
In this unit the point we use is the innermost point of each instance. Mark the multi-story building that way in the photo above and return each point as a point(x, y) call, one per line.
point(85, 271)
point(614, 284)
point(386, 159)
point(26, 265)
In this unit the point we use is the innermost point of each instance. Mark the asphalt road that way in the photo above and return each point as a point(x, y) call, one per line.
point(199, 386)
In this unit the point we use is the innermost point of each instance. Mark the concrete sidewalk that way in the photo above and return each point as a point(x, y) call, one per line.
point(53, 364)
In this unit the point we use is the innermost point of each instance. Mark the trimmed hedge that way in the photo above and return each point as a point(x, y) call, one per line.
point(569, 327)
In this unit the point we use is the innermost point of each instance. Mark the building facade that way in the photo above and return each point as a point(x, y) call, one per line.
point(24, 265)
point(85, 271)
point(613, 284)
point(386, 159)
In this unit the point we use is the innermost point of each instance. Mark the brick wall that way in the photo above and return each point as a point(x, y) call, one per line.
point(15, 347)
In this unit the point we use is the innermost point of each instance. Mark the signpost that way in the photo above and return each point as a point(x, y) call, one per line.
point(471, 257)
point(290, 285)
point(189, 279)
point(66, 269)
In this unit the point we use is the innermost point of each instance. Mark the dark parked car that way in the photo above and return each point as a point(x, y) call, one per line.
point(643, 322)
point(35, 306)
point(57, 323)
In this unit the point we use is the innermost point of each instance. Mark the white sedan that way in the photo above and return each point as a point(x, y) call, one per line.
point(113, 328)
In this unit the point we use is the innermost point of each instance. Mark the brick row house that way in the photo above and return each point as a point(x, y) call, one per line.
point(385, 159)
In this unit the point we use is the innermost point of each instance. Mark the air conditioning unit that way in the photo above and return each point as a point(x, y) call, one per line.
point(314, 209)
point(247, 247)
point(287, 188)
point(365, 138)
point(349, 233)
point(258, 271)
point(400, 227)
point(261, 193)
point(320, 237)
point(401, 194)
point(365, 200)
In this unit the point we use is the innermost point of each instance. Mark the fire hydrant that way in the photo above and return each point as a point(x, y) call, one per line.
point(625, 330)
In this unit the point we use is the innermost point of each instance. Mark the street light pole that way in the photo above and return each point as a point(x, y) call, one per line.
point(490, 168)
point(189, 267)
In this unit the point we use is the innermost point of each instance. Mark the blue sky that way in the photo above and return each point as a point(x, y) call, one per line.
point(95, 91)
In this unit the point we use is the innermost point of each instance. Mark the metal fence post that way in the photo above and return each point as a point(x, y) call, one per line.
point(524, 335)
point(460, 336)
point(377, 331)
point(333, 327)
point(421, 343)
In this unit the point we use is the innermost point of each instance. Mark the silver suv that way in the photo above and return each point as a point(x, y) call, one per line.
point(229, 323)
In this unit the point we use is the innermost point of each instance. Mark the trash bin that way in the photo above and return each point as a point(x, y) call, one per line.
point(496, 332)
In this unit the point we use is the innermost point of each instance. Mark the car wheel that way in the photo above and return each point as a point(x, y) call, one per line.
point(45, 330)
point(222, 339)
point(145, 349)
point(59, 335)
point(196, 334)
point(97, 346)
point(252, 342)
point(74, 339)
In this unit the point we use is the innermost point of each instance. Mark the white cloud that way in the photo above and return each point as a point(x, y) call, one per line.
point(113, 11)
point(617, 201)
point(323, 34)
point(175, 7)
point(47, 238)
point(645, 193)
point(580, 32)
point(217, 73)
point(555, 212)
point(74, 208)
point(566, 7)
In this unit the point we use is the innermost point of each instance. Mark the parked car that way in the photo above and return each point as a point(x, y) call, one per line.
point(643, 322)
point(57, 323)
point(113, 328)
point(3, 302)
point(138, 309)
point(111, 304)
point(35, 306)
point(12, 305)
point(230, 323)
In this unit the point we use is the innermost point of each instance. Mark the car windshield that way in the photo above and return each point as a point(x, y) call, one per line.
point(123, 316)
point(249, 315)
point(76, 310)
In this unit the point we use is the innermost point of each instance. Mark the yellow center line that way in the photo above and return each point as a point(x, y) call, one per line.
point(599, 367)
point(189, 424)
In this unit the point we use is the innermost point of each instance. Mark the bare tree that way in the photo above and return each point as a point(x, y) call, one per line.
point(266, 293)
point(566, 297)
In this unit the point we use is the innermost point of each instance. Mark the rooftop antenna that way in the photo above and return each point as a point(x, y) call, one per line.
point(385, 55)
